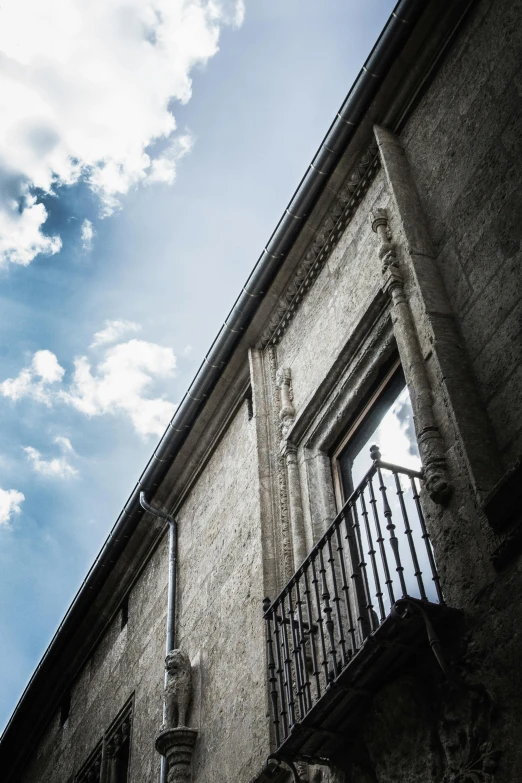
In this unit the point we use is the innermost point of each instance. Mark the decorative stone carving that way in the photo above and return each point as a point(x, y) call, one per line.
point(289, 454)
point(340, 212)
point(430, 443)
point(287, 410)
point(286, 544)
point(465, 733)
point(116, 750)
point(177, 745)
point(178, 691)
point(176, 742)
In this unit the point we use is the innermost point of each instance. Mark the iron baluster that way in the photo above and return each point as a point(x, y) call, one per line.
point(296, 652)
point(328, 611)
point(380, 541)
point(394, 541)
point(375, 569)
point(345, 588)
point(272, 679)
point(336, 600)
point(409, 535)
point(280, 675)
point(287, 661)
point(312, 633)
point(320, 623)
point(427, 542)
point(302, 647)
point(358, 577)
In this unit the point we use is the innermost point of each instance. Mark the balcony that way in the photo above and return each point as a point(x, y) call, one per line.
point(356, 609)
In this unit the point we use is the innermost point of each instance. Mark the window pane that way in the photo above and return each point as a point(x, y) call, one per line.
point(389, 425)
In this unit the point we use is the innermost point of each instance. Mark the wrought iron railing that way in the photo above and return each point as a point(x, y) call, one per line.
point(345, 589)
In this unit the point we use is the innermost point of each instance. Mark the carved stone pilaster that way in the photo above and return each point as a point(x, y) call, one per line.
point(430, 443)
point(176, 741)
point(295, 502)
point(177, 745)
point(286, 544)
point(289, 453)
point(287, 410)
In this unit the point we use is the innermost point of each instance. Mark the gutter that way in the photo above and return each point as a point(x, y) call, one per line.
point(385, 51)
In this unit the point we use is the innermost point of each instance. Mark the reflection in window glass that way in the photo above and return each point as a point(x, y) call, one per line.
point(387, 422)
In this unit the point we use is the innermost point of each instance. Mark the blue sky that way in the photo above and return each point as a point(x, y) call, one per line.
point(125, 236)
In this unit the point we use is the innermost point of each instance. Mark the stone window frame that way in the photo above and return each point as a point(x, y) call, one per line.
point(96, 769)
point(324, 421)
point(358, 416)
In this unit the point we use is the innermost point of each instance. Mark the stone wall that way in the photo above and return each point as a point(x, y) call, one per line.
point(128, 661)
point(220, 602)
point(463, 145)
point(331, 310)
point(463, 142)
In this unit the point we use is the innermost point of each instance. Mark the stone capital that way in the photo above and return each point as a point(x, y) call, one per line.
point(177, 745)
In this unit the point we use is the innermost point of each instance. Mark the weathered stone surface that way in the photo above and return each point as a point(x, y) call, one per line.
point(234, 498)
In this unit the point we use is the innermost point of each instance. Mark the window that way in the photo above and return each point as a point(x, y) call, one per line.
point(109, 762)
point(124, 612)
point(65, 708)
point(386, 420)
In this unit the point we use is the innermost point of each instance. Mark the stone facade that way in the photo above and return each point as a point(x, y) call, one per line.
point(412, 251)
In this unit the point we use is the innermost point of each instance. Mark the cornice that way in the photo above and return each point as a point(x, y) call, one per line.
point(337, 218)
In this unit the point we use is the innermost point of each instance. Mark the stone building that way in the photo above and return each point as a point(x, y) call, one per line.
point(384, 312)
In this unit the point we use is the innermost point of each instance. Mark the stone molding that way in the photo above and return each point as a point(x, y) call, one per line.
point(431, 446)
point(177, 746)
point(282, 487)
point(338, 216)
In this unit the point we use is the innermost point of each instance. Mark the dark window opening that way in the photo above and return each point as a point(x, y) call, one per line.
point(118, 751)
point(124, 612)
point(65, 707)
point(109, 762)
point(249, 403)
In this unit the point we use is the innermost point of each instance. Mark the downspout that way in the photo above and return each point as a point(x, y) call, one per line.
point(171, 599)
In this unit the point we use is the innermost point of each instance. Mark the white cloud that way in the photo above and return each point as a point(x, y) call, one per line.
point(113, 331)
point(120, 383)
point(88, 234)
point(163, 168)
point(45, 365)
point(36, 380)
point(87, 90)
point(10, 501)
point(57, 467)
point(20, 231)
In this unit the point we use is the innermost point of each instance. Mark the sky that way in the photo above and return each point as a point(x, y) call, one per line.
point(147, 151)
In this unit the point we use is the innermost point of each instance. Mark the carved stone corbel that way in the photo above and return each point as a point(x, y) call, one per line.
point(176, 741)
point(289, 453)
point(430, 442)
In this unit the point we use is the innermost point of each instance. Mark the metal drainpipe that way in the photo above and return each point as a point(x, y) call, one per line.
point(171, 600)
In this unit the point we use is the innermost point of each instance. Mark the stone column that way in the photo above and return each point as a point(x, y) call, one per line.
point(116, 748)
point(435, 323)
point(295, 502)
point(177, 745)
point(289, 452)
point(431, 447)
